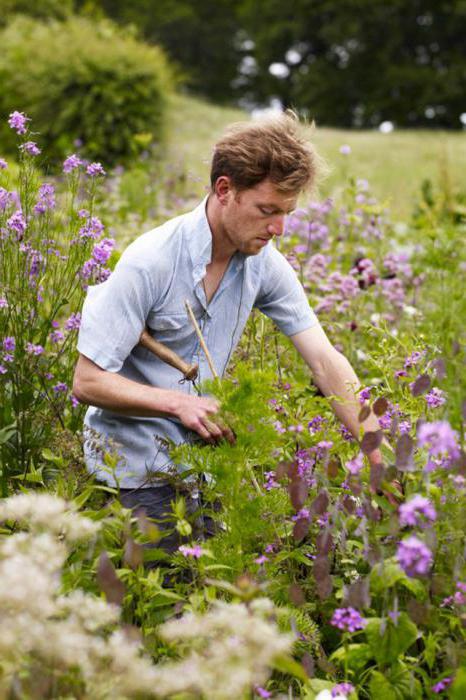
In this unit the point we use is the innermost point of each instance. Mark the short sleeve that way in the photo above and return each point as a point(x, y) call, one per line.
point(114, 315)
point(281, 296)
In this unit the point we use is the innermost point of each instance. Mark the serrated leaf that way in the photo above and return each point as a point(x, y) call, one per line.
point(398, 683)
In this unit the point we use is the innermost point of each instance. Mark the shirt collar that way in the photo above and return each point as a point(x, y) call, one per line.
point(200, 243)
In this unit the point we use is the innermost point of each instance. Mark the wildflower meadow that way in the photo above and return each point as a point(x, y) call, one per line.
point(324, 577)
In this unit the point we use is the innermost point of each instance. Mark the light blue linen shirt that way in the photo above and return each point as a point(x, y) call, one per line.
point(149, 285)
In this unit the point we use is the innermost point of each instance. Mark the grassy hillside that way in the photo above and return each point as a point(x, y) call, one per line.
point(395, 164)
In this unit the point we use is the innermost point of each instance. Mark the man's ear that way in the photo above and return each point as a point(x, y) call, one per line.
point(223, 189)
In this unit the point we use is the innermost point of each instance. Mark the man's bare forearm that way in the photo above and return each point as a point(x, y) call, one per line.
point(336, 378)
point(111, 391)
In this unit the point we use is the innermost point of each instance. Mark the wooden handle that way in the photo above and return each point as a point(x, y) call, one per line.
point(190, 372)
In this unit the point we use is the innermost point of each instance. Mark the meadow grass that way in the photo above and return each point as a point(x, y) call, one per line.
point(395, 164)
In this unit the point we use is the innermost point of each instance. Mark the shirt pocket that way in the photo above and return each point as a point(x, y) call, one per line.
point(169, 328)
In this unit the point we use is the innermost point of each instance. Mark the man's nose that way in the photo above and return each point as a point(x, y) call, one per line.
point(277, 226)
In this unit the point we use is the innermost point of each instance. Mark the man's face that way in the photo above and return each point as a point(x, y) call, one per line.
point(252, 217)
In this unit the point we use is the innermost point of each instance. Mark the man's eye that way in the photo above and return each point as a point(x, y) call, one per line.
point(266, 212)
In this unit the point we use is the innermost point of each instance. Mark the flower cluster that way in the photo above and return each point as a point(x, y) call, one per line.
point(348, 620)
point(410, 512)
point(414, 556)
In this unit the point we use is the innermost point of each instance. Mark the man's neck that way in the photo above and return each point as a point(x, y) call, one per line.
point(222, 248)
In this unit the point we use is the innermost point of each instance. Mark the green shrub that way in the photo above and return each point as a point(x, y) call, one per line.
point(83, 81)
point(40, 9)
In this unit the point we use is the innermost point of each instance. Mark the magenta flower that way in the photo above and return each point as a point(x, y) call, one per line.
point(303, 514)
point(342, 689)
point(74, 401)
point(94, 169)
point(71, 163)
point(348, 620)
point(364, 394)
point(17, 121)
point(3, 370)
point(9, 343)
point(262, 692)
point(31, 147)
point(196, 551)
point(3, 164)
point(410, 512)
point(414, 557)
point(3, 303)
point(442, 685)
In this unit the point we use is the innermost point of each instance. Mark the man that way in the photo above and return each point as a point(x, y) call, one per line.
point(220, 257)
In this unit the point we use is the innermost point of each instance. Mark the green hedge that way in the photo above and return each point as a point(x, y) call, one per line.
point(82, 80)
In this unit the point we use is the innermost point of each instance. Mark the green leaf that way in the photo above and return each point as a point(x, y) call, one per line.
point(396, 684)
point(415, 586)
point(389, 643)
point(357, 656)
point(458, 689)
point(385, 575)
point(49, 456)
point(7, 432)
point(286, 664)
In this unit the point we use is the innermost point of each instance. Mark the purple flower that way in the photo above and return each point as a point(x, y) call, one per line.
point(303, 514)
point(270, 482)
point(364, 394)
point(46, 199)
point(9, 343)
point(74, 401)
point(345, 150)
point(196, 551)
point(71, 163)
point(8, 357)
point(355, 465)
point(73, 322)
point(94, 169)
point(17, 223)
point(435, 398)
point(3, 164)
point(3, 370)
point(93, 228)
point(315, 424)
point(414, 557)
point(414, 358)
point(439, 437)
point(342, 689)
point(17, 121)
point(32, 349)
point(262, 692)
point(411, 511)
point(60, 388)
point(56, 337)
point(103, 250)
point(348, 620)
point(3, 303)
point(442, 685)
point(31, 147)
point(261, 560)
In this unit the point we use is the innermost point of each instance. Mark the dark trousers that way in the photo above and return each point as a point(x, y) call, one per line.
point(156, 502)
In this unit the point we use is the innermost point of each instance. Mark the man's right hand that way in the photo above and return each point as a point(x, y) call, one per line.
point(199, 413)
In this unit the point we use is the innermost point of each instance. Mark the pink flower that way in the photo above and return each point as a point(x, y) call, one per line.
point(196, 551)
